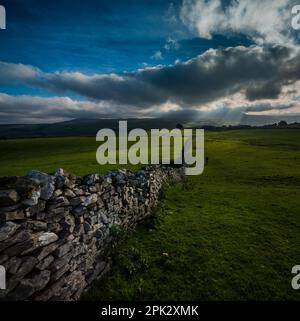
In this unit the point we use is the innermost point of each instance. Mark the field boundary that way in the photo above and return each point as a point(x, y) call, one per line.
point(57, 231)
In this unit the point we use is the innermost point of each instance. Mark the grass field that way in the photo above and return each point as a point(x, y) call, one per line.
point(77, 155)
point(232, 233)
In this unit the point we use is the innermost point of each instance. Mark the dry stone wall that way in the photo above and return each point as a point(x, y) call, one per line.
point(56, 230)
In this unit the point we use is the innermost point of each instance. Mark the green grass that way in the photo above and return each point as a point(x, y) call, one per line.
point(232, 233)
point(76, 155)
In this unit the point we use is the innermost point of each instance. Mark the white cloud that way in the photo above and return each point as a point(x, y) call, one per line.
point(171, 44)
point(157, 55)
point(263, 21)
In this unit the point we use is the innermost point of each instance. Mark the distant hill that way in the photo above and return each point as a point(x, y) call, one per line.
point(90, 127)
point(261, 120)
point(79, 127)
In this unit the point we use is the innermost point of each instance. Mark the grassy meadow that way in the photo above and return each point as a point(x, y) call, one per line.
point(232, 233)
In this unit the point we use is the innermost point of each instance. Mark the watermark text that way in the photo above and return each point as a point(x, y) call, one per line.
point(296, 278)
point(296, 17)
point(157, 146)
point(2, 278)
point(2, 17)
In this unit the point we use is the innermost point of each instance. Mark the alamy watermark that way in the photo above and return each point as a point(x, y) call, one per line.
point(2, 17)
point(2, 278)
point(296, 17)
point(154, 147)
point(296, 278)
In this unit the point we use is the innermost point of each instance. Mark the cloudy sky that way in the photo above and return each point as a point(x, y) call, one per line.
point(187, 59)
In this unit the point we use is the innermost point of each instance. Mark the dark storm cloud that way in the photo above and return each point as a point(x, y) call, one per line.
point(32, 109)
point(36, 109)
point(183, 114)
point(123, 89)
point(259, 72)
point(264, 90)
point(269, 106)
point(218, 73)
point(19, 74)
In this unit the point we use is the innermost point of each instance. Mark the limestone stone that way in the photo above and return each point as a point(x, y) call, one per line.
point(29, 286)
point(58, 231)
point(47, 183)
point(45, 262)
point(63, 249)
point(69, 193)
point(36, 225)
point(92, 199)
point(38, 240)
point(8, 198)
point(7, 230)
point(43, 252)
point(12, 216)
point(13, 264)
point(47, 238)
point(60, 262)
point(19, 237)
